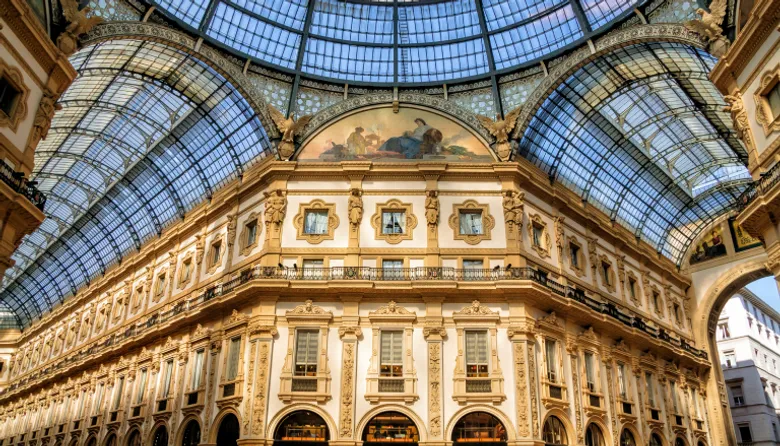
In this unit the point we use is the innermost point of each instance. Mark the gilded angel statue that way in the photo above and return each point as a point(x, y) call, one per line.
point(500, 129)
point(289, 128)
point(78, 24)
point(709, 27)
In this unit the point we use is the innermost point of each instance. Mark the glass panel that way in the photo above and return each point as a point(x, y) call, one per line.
point(590, 375)
point(234, 354)
point(118, 395)
point(197, 369)
point(391, 353)
point(393, 222)
point(471, 223)
point(476, 353)
point(307, 343)
point(315, 222)
point(141, 387)
point(551, 358)
point(167, 376)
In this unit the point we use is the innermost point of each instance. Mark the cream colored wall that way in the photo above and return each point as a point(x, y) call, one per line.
point(766, 59)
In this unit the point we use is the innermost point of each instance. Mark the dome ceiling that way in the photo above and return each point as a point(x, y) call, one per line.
point(395, 42)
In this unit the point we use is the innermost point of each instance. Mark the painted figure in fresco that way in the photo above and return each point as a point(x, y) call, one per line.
point(357, 143)
point(709, 249)
point(414, 143)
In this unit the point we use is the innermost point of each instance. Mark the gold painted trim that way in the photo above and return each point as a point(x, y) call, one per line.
point(488, 222)
point(300, 220)
point(389, 206)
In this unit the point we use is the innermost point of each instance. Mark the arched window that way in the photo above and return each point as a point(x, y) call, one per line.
point(191, 435)
point(479, 427)
point(679, 441)
point(655, 440)
point(554, 433)
point(700, 443)
point(160, 437)
point(228, 431)
point(391, 427)
point(594, 436)
point(111, 440)
point(301, 426)
point(134, 439)
point(627, 438)
point(92, 442)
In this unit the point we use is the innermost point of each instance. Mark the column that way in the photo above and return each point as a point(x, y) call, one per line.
point(521, 333)
point(346, 435)
point(261, 338)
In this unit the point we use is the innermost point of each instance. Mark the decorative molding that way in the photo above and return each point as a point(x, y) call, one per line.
point(578, 269)
point(432, 209)
point(275, 207)
point(608, 278)
point(19, 111)
point(488, 222)
point(346, 407)
point(545, 242)
point(513, 203)
point(299, 222)
point(769, 123)
point(434, 388)
point(213, 264)
point(394, 205)
point(246, 248)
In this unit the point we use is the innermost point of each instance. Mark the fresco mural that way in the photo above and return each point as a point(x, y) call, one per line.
point(710, 246)
point(380, 135)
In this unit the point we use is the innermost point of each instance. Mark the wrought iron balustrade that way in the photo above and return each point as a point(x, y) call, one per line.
point(764, 184)
point(17, 182)
point(346, 273)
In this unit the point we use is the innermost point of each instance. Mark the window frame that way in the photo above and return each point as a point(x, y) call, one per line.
point(392, 318)
point(247, 244)
point(231, 388)
point(581, 267)
point(317, 205)
point(19, 110)
point(307, 316)
point(544, 247)
point(394, 205)
point(214, 261)
point(488, 222)
point(469, 318)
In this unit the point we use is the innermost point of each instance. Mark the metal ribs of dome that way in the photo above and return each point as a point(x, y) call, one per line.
point(400, 42)
point(146, 132)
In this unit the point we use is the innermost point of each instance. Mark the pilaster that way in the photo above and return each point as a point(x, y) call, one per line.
point(434, 333)
point(521, 333)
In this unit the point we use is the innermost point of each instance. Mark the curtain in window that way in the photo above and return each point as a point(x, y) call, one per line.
point(551, 358)
point(476, 347)
point(306, 352)
point(393, 222)
point(233, 353)
point(141, 387)
point(197, 369)
point(471, 223)
point(316, 222)
point(622, 380)
point(167, 378)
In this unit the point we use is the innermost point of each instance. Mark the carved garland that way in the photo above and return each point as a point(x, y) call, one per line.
point(488, 222)
point(300, 221)
point(545, 242)
point(394, 205)
point(763, 111)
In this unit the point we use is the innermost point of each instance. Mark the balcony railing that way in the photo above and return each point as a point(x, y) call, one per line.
point(262, 273)
point(764, 184)
point(15, 180)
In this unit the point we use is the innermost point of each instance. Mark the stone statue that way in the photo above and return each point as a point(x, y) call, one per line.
point(86, 325)
point(275, 207)
point(118, 306)
point(289, 128)
point(513, 203)
point(44, 115)
point(200, 248)
point(231, 228)
point(355, 208)
point(739, 117)
point(709, 27)
point(432, 207)
point(46, 348)
point(558, 224)
point(500, 129)
point(78, 24)
point(100, 319)
point(71, 333)
point(59, 340)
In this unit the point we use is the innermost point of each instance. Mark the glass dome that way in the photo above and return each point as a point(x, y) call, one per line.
point(392, 42)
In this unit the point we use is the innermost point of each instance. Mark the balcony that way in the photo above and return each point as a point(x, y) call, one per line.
point(759, 201)
point(15, 180)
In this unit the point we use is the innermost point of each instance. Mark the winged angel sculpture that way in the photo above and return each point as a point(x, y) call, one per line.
point(78, 24)
point(289, 128)
point(500, 129)
point(709, 27)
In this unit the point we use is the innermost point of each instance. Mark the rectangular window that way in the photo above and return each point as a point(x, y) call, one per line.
point(736, 393)
point(392, 269)
point(730, 359)
point(9, 97)
point(538, 232)
point(723, 330)
point(197, 369)
point(312, 268)
point(673, 390)
point(234, 351)
point(186, 270)
point(476, 354)
point(167, 376)
point(744, 433)
point(650, 389)
point(773, 97)
point(656, 301)
point(694, 402)
point(622, 380)
point(574, 255)
point(590, 373)
point(141, 387)
point(306, 345)
point(120, 387)
point(160, 285)
point(473, 269)
point(632, 287)
point(391, 353)
point(315, 222)
point(393, 222)
point(80, 411)
point(676, 311)
point(216, 253)
point(551, 358)
point(250, 229)
point(99, 398)
point(605, 270)
point(471, 222)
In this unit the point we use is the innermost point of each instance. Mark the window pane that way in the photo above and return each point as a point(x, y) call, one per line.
point(552, 359)
point(233, 356)
point(316, 222)
point(471, 223)
point(393, 222)
point(307, 343)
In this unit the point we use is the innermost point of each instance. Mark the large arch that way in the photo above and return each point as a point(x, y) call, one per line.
point(704, 321)
point(422, 428)
point(508, 425)
point(214, 429)
point(273, 424)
